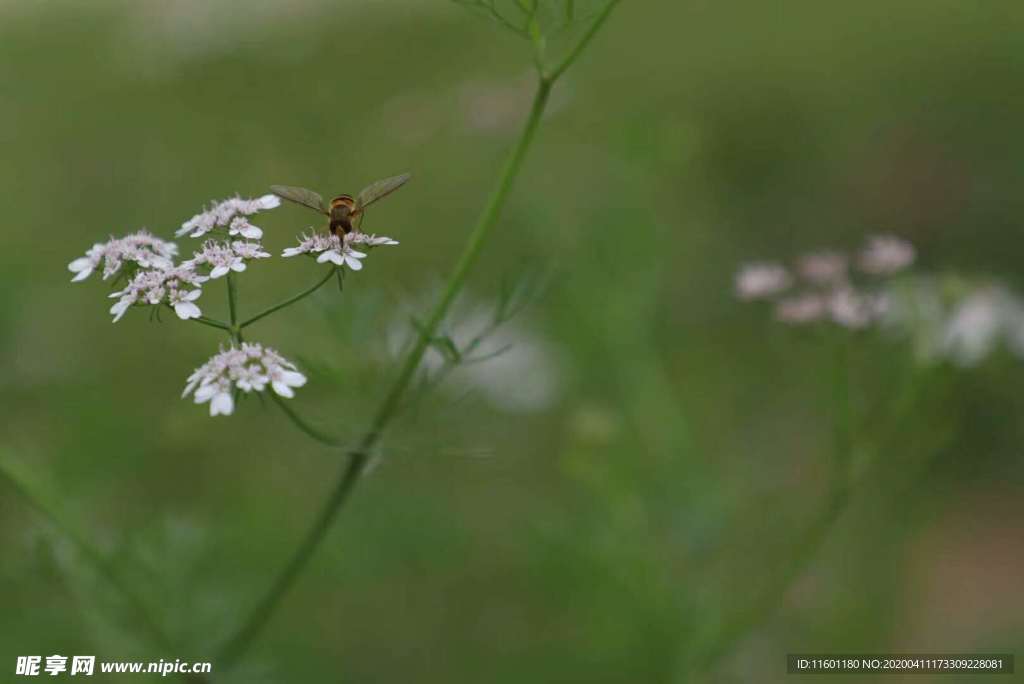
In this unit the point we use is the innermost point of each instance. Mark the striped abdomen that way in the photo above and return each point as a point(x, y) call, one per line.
point(341, 214)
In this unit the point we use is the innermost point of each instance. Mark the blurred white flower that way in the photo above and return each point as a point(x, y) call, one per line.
point(918, 311)
point(495, 104)
point(761, 280)
point(249, 368)
point(178, 287)
point(334, 249)
point(512, 367)
point(831, 292)
point(886, 254)
point(950, 317)
point(230, 213)
point(142, 248)
point(980, 322)
point(801, 308)
point(523, 374)
point(854, 309)
point(823, 268)
point(222, 257)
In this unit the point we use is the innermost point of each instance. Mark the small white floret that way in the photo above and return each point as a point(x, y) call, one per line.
point(222, 404)
point(241, 226)
point(356, 238)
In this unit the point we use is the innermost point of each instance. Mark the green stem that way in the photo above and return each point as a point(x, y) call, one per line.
point(233, 308)
point(238, 644)
point(206, 320)
point(300, 423)
point(388, 409)
point(839, 499)
point(358, 458)
point(476, 240)
point(842, 419)
point(765, 603)
point(806, 548)
point(592, 30)
point(213, 323)
point(290, 301)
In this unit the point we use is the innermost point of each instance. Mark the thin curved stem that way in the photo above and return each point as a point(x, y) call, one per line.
point(206, 320)
point(806, 548)
point(766, 602)
point(840, 493)
point(581, 45)
point(488, 218)
point(289, 301)
point(358, 458)
point(213, 323)
point(238, 644)
point(842, 424)
point(301, 423)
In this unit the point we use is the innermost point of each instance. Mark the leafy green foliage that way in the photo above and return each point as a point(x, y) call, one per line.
point(544, 23)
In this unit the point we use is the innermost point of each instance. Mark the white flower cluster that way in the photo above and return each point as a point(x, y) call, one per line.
point(952, 318)
point(886, 254)
point(337, 250)
point(249, 368)
point(156, 279)
point(761, 279)
point(178, 287)
point(142, 248)
point(829, 288)
point(222, 257)
point(231, 214)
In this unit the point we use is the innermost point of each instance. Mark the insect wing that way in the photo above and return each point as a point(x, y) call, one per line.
point(374, 191)
point(306, 198)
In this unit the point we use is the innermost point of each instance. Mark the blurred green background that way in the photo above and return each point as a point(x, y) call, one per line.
point(634, 478)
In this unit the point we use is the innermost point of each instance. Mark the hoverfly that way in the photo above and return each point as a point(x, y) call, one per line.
point(343, 209)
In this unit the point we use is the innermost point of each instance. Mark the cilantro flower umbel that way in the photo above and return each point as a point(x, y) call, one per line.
point(231, 214)
point(337, 250)
point(249, 368)
point(827, 289)
point(149, 275)
point(222, 257)
point(141, 248)
point(178, 287)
